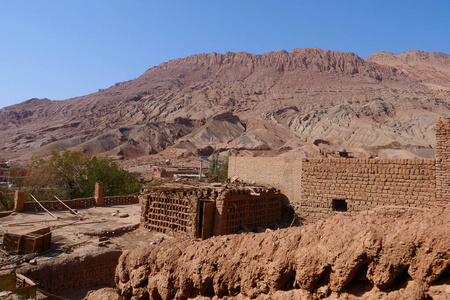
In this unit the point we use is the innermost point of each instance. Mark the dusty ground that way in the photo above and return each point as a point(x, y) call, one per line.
point(72, 234)
point(69, 230)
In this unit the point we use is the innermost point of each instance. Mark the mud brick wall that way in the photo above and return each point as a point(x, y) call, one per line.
point(56, 205)
point(329, 185)
point(78, 203)
point(252, 208)
point(442, 161)
point(281, 173)
point(74, 271)
point(170, 211)
point(121, 200)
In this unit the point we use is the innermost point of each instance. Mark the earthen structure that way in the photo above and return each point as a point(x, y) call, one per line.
point(93, 267)
point(318, 188)
point(206, 211)
point(363, 257)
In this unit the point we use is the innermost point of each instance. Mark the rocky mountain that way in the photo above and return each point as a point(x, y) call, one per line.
point(274, 101)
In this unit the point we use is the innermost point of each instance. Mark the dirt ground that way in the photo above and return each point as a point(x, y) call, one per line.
point(73, 233)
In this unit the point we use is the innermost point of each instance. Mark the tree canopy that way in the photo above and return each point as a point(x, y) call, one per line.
point(73, 174)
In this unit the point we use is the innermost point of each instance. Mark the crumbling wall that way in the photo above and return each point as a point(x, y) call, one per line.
point(170, 210)
point(442, 160)
point(180, 210)
point(249, 207)
point(330, 185)
point(281, 173)
point(93, 267)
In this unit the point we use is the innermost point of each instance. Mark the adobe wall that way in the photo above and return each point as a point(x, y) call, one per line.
point(442, 160)
point(365, 184)
point(177, 210)
point(251, 207)
point(281, 173)
point(170, 210)
point(77, 270)
point(78, 203)
point(311, 185)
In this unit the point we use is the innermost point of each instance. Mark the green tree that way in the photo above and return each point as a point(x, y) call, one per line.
point(73, 174)
point(6, 199)
point(214, 165)
point(116, 181)
point(218, 170)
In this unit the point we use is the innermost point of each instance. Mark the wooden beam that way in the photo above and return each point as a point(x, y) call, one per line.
point(74, 212)
point(44, 208)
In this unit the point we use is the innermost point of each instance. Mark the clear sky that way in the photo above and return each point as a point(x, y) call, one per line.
point(59, 49)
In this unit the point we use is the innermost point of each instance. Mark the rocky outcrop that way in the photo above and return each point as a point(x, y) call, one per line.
point(363, 257)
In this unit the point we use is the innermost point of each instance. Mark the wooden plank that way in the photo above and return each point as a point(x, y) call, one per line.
point(74, 212)
point(44, 208)
point(28, 292)
point(7, 282)
point(209, 209)
point(26, 279)
point(19, 243)
point(32, 230)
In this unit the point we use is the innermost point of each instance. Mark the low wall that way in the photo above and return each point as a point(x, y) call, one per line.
point(331, 185)
point(56, 205)
point(121, 200)
point(78, 203)
point(93, 267)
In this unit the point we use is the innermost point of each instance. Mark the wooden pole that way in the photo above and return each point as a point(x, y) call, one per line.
point(44, 208)
point(74, 212)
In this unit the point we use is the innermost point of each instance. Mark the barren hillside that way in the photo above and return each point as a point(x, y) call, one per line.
point(277, 100)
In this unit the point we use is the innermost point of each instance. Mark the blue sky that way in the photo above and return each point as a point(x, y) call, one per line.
point(60, 49)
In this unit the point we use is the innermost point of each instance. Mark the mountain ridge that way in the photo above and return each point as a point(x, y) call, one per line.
point(381, 100)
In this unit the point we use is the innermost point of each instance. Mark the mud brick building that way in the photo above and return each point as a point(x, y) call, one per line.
point(317, 188)
point(205, 211)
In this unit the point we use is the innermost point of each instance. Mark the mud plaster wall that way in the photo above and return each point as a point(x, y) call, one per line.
point(281, 173)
